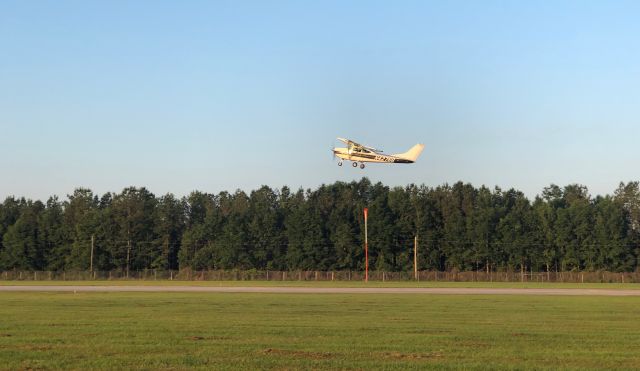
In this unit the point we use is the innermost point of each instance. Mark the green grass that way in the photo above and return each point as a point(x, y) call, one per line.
point(330, 284)
point(312, 331)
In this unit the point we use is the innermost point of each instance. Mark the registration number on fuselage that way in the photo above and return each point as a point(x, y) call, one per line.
point(383, 158)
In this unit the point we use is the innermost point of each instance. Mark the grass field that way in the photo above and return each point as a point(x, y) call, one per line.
point(277, 331)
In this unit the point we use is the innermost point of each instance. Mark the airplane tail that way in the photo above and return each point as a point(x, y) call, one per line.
point(413, 153)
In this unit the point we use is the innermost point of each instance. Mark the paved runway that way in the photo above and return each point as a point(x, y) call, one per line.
point(327, 290)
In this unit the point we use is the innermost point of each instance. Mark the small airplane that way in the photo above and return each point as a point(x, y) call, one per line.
point(357, 153)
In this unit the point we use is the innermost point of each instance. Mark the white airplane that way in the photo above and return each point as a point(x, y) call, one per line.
point(358, 153)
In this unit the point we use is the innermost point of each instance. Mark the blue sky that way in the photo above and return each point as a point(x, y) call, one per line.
point(216, 95)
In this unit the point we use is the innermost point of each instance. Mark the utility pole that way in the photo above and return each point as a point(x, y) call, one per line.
point(366, 247)
point(91, 263)
point(415, 257)
point(128, 254)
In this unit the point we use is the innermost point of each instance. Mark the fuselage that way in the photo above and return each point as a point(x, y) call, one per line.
point(358, 154)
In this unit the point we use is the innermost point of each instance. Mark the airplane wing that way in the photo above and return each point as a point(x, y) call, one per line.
point(349, 142)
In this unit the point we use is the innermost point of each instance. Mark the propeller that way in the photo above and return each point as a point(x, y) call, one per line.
point(333, 154)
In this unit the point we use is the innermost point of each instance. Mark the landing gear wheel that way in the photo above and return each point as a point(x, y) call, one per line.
point(355, 164)
point(340, 163)
point(361, 166)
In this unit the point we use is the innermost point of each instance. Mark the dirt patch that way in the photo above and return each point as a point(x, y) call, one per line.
point(298, 353)
point(199, 338)
point(411, 356)
point(35, 347)
point(33, 365)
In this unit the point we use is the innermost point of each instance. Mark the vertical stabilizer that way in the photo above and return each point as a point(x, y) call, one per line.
point(412, 154)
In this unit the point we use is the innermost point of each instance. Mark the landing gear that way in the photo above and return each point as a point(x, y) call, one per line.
point(340, 163)
point(362, 166)
point(355, 164)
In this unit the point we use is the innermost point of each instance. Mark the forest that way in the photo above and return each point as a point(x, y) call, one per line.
point(459, 227)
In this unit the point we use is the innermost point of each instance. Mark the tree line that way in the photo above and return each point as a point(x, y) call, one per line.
point(458, 226)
